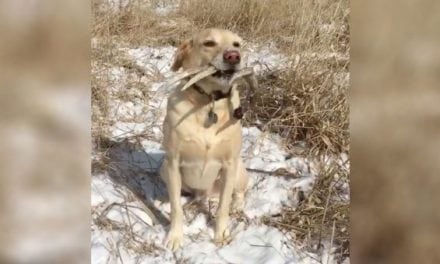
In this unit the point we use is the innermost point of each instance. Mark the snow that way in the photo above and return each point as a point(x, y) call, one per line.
point(163, 8)
point(153, 60)
point(264, 58)
point(270, 194)
point(263, 151)
point(258, 244)
point(114, 6)
point(124, 228)
point(103, 191)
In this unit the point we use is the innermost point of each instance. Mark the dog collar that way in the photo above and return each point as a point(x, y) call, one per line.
point(215, 95)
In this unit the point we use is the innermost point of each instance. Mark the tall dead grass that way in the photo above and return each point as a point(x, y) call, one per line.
point(295, 25)
point(306, 101)
point(306, 104)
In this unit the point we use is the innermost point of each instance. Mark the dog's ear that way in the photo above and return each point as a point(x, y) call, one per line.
point(181, 54)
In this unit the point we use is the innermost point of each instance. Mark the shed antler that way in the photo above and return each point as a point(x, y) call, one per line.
point(199, 76)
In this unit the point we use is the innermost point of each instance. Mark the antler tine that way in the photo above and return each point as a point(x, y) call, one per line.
point(201, 75)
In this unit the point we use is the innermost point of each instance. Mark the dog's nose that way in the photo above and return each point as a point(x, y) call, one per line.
point(231, 56)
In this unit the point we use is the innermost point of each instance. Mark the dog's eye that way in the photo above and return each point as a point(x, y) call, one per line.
point(236, 44)
point(209, 43)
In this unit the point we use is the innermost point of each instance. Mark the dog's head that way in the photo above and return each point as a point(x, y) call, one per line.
point(216, 47)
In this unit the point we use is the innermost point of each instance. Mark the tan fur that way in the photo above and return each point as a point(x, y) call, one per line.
point(201, 158)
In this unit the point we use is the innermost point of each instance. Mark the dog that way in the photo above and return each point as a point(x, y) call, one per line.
point(202, 134)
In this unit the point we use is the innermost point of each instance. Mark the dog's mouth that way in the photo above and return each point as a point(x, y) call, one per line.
point(229, 75)
point(225, 74)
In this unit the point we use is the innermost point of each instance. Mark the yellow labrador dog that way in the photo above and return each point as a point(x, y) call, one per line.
point(202, 131)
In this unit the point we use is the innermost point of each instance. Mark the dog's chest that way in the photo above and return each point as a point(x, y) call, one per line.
point(202, 144)
point(203, 148)
point(202, 139)
point(201, 154)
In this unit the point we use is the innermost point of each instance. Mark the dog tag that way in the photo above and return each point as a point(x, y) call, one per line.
point(238, 113)
point(212, 117)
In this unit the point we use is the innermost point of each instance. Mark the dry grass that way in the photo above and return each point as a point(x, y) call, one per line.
point(294, 25)
point(321, 216)
point(305, 101)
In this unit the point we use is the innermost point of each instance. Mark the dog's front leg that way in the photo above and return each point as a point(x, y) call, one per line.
point(174, 185)
point(229, 174)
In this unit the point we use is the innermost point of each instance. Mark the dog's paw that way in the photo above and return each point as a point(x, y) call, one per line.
point(221, 237)
point(174, 240)
point(238, 204)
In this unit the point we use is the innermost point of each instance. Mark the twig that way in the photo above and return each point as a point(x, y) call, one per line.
point(323, 216)
point(276, 172)
point(331, 241)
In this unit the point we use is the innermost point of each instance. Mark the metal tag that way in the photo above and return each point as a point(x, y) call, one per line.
point(212, 117)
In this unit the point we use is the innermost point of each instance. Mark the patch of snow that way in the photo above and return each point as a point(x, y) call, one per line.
point(104, 191)
point(155, 153)
point(163, 8)
point(150, 110)
point(263, 151)
point(258, 245)
point(327, 29)
point(100, 252)
point(126, 109)
point(268, 195)
point(155, 61)
point(114, 5)
point(117, 74)
point(264, 58)
point(342, 78)
point(126, 129)
point(325, 56)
